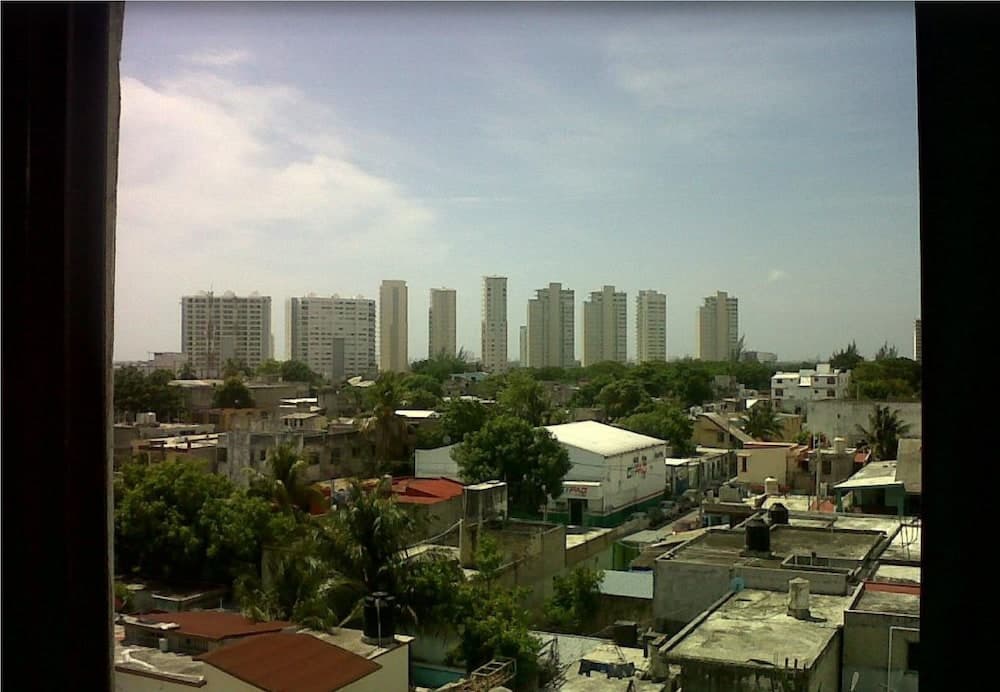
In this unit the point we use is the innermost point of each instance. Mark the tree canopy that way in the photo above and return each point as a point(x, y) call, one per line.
point(622, 398)
point(575, 600)
point(135, 392)
point(232, 394)
point(664, 422)
point(529, 459)
point(525, 398)
point(847, 359)
point(441, 366)
point(761, 422)
point(883, 432)
point(297, 371)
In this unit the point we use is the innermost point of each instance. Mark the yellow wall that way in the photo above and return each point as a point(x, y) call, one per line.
point(761, 463)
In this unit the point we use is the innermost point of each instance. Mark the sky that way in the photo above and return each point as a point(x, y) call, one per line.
point(766, 150)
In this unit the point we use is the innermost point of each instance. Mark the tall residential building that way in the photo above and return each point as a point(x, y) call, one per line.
point(718, 327)
point(215, 329)
point(651, 326)
point(523, 346)
point(334, 336)
point(605, 326)
point(441, 323)
point(494, 328)
point(392, 332)
point(917, 342)
point(551, 328)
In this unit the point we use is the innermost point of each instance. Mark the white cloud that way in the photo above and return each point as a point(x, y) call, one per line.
point(219, 58)
point(247, 187)
point(775, 275)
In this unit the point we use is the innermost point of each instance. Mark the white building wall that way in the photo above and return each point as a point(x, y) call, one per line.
point(651, 326)
point(436, 463)
point(625, 479)
point(216, 328)
point(394, 676)
point(494, 326)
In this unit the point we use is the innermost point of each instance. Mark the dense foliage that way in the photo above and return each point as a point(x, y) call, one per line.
point(761, 422)
point(883, 432)
point(529, 459)
point(575, 600)
point(665, 422)
point(136, 392)
point(232, 394)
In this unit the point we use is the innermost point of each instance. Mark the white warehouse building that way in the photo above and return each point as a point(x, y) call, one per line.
point(615, 473)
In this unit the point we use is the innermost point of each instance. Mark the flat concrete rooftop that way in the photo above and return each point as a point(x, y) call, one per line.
point(753, 627)
point(579, 535)
point(144, 659)
point(898, 574)
point(888, 603)
point(723, 547)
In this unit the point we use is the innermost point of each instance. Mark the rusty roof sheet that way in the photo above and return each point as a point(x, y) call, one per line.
point(214, 625)
point(287, 662)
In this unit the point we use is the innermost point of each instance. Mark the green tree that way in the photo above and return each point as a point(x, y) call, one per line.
point(886, 351)
point(622, 398)
point(390, 434)
point(297, 371)
point(285, 484)
point(691, 383)
point(461, 417)
point(187, 372)
point(421, 392)
point(175, 520)
point(761, 422)
point(135, 392)
point(586, 396)
point(884, 430)
point(530, 460)
point(233, 394)
point(525, 398)
point(664, 422)
point(441, 366)
point(268, 368)
point(575, 600)
point(236, 367)
point(847, 359)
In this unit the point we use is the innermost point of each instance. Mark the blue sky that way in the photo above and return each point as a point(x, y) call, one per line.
point(767, 150)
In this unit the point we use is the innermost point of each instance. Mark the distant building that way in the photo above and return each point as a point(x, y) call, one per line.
point(216, 329)
point(334, 336)
point(523, 346)
point(651, 326)
point(441, 323)
point(759, 357)
point(791, 390)
point(494, 325)
point(393, 327)
point(605, 326)
point(718, 327)
point(551, 328)
point(917, 342)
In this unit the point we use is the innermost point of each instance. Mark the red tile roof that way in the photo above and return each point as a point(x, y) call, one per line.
point(289, 662)
point(214, 625)
point(425, 491)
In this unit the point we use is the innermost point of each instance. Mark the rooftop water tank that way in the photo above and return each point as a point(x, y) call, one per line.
point(379, 619)
point(839, 445)
point(778, 513)
point(771, 486)
point(758, 536)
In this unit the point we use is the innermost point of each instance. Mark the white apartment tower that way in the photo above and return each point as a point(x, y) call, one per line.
point(551, 328)
point(651, 326)
point(494, 327)
point(605, 326)
point(718, 327)
point(918, 345)
point(334, 336)
point(215, 329)
point(441, 323)
point(392, 347)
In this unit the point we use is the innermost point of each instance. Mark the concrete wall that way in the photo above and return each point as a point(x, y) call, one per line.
point(866, 651)
point(683, 590)
point(761, 463)
point(394, 675)
point(825, 672)
point(218, 681)
point(721, 676)
point(829, 583)
point(840, 418)
point(707, 434)
point(436, 463)
point(135, 681)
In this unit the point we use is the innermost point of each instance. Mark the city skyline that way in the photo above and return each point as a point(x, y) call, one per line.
point(768, 151)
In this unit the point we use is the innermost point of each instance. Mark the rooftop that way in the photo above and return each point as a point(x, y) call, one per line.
point(578, 535)
point(753, 628)
point(153, 662)
point(602, 439)
point(208, 624)
point(425, 491)
point(877, 474)
point(417, 414)
point(287, 661)
point(898, 574)
point(889, 599)
point(352, 640)
point(724, 424)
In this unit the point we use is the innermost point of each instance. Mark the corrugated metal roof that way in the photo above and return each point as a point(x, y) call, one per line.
point(877, 474)
point(425, 490)
point(628, 584)
point(210, 624)
point(285, 662)
point(602, 439)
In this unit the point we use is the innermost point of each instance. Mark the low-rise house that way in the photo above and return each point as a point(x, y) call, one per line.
point(759, 461)
point(878, 489)
point(436, 503)
point(614, 474)
point(834, 465)
point(203, 448)
point(718, 430)
point(882, 638)
point(790, 391)
point(755, 640)
point(146, 427)
point(194, 631)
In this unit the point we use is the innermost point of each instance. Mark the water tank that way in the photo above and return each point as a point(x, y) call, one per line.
point(758, 536)
point(164, 647)
point(379, 618)
point(626, 633)
point(839, 445)
point(771, 486)
point(778, 513)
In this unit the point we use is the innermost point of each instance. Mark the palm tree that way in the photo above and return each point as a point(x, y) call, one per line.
point(761, 422)
point(285, 484)
point(883, 433)
point(389, 432)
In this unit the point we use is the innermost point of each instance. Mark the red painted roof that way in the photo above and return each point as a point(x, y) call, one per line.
point(891, 587)
point(214, 625)
point(289, 662)
point(425, 491)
